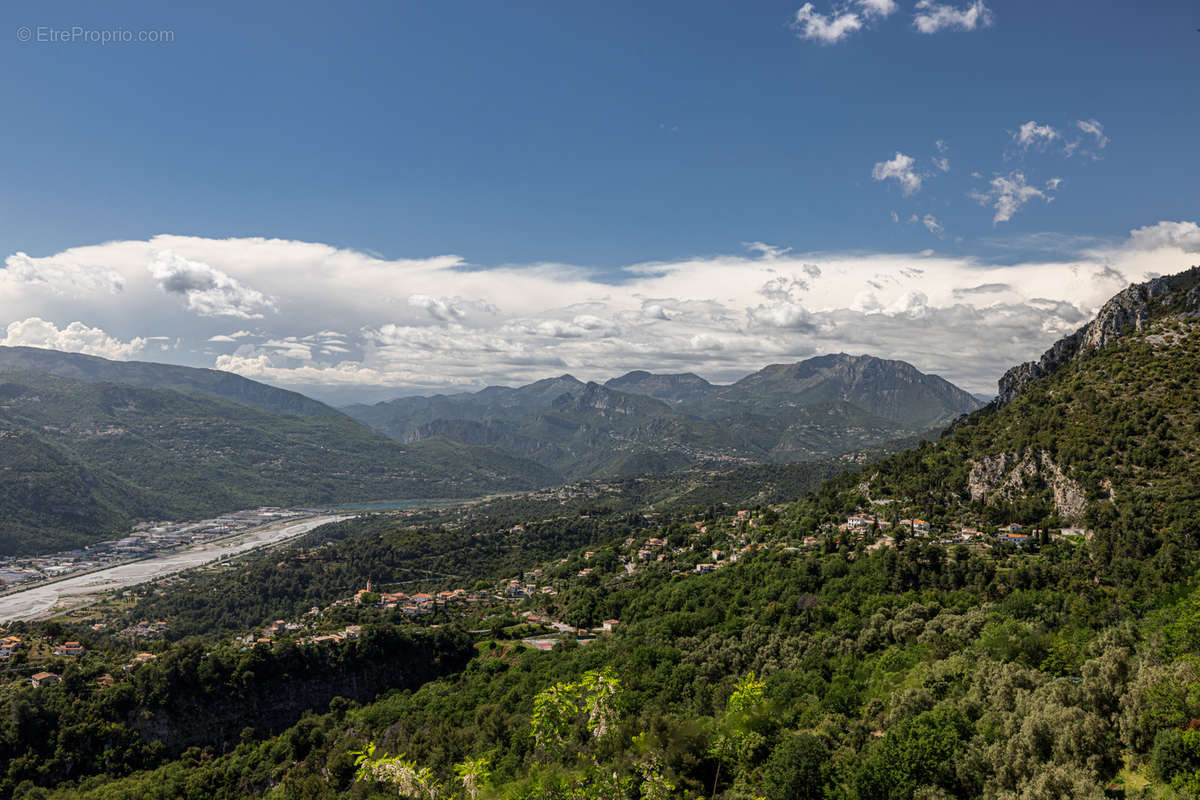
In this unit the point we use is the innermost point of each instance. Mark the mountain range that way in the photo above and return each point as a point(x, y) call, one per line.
point(815, 409)
point(91, 445)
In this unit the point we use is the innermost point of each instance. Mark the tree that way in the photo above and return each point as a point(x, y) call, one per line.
point(798, 769)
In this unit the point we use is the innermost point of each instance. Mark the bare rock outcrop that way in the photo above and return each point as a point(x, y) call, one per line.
point(1130, 309)
point(1008, 476)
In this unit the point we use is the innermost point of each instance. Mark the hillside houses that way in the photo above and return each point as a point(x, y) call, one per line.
point(69, 650)
point(9, 646)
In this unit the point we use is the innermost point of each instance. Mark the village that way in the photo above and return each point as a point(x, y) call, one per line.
point(522, 608)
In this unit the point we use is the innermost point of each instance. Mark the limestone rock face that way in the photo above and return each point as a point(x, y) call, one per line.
point(1007, 476)
point(1129, 310)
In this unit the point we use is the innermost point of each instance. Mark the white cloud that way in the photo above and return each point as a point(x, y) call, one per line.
point(942, 163)
point(1008, 193)
point(1183, 236)
point(1093, 127)
point(787, 316)
point(1031, 133)
point(438, 308)
point(230, 337)
point(825, 28)
point(878, 8)
point(935, 227)
point(344, 318)
point(899, 168)
point(1088, 127)
point(60, 275)
point(209, 292)
point(74, 338)
point(932, 17)
point(767, 251)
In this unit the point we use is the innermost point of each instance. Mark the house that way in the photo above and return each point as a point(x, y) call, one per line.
point(44, 679)
point(142, 658)
point(352, 631)
point(9, 646)
point(72, 649)
point(609, 624)
point(701, 569)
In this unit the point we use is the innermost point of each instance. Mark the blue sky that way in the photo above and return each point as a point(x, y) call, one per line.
point(591, 137)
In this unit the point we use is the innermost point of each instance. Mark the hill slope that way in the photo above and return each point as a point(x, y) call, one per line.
point(149, 375)
point(1102, 432)
point(81, 460)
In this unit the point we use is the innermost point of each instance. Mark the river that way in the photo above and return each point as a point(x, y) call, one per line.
point(47, 600)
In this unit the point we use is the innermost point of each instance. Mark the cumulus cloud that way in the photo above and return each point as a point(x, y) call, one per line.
point(1031, 133)
point(825, 28)
point(811, 24)
point(345, 319)
point(932, 16)
point(785, 316)
point(1008, 193)
point(60, 274)
point(438, 308)
point(74, 338)
point(878, 8)
point(900, 169)
point(1184, 236)
point(209, 292)
point(784, 287)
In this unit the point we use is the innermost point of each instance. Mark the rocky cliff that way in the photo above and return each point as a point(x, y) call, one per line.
point(1130, 309)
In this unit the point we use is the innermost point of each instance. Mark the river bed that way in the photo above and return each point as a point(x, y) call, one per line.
point(47, 600)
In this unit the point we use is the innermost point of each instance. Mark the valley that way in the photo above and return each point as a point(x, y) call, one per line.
point(58, 595)
point(1011, 605)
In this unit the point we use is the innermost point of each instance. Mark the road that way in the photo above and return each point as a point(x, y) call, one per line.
point(47, 600)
